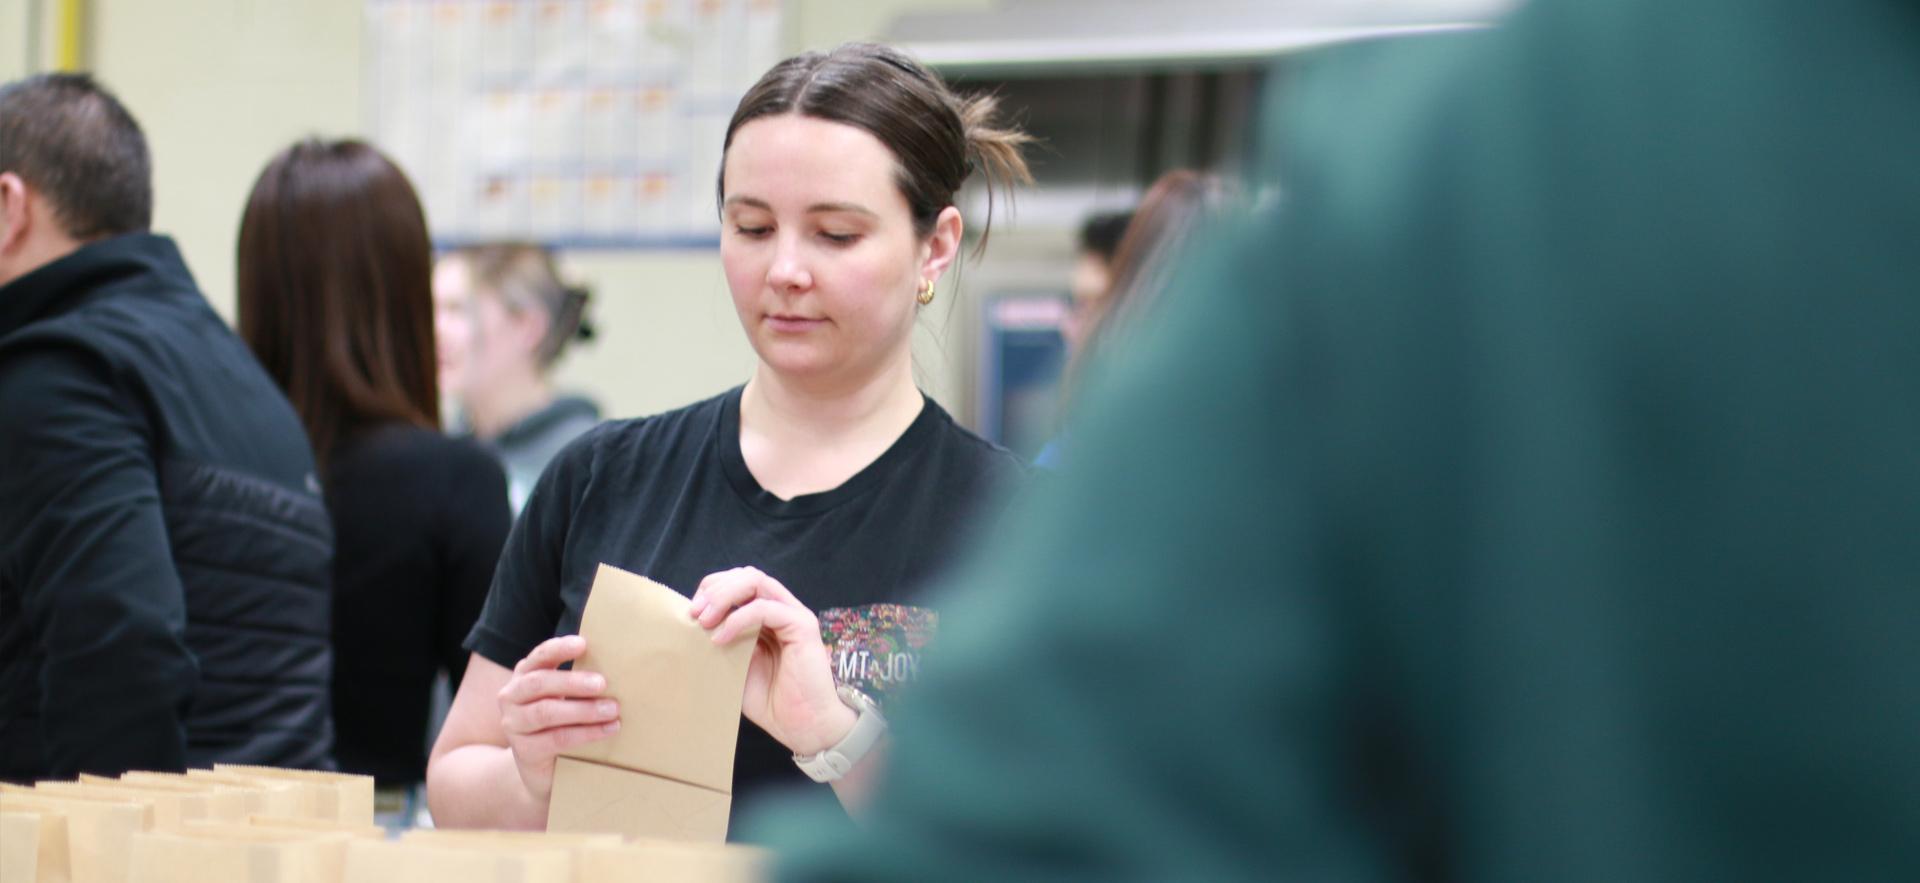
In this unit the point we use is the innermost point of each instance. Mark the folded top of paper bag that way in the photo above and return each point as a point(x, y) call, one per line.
point(679, 693)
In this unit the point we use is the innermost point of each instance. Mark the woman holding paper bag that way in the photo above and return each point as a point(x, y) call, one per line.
point(812, 503)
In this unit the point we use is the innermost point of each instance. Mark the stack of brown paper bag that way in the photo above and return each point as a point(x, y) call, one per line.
point(174, 828)
point(33, 847)
point(643, 861)
point(417, 861)
point(341, 797)
point(668, 773)
point(88, 831)
point(230, 853)
point(250, 798)
point(199, 800)
point(523, 857)
point(98, 832)
point(320, 825)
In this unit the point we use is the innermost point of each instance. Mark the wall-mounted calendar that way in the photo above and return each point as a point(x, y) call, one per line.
point(579, 123)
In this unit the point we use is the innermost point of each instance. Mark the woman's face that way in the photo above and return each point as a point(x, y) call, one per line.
point(478, 340)
point(820, 251)
point(1092, 276)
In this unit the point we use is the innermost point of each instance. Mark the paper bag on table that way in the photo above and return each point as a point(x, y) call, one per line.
point(285, 797)
point(669, 771)
point(226, 853)
point(170, 809)
point(373, 861)
point(315, 826)
point(33, 847)
point(645, 861)
point(211, 802)
point(267, 798)
point(99, 832)
point(449, 838)
point(343, 797)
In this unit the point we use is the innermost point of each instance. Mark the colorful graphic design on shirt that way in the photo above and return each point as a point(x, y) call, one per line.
point(876, 648)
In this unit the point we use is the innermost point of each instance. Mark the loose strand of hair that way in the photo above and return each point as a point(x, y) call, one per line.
point(995, 151)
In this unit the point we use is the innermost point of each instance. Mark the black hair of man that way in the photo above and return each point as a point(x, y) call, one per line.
point(71, 140)
point(1100, 234)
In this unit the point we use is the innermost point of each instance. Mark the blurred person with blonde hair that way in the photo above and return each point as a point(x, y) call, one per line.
point(503, 318)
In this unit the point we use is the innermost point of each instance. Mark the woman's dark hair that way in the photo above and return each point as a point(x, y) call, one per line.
point(1100, 234)
point(937, 137)
point(336, 290)
point(523, 276)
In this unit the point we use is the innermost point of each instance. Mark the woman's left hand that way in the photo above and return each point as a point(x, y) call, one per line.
point(790, 689)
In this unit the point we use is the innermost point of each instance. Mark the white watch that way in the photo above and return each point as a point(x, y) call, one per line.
point(834, 763)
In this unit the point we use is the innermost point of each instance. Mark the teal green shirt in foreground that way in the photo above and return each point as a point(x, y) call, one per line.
point(1536, 499)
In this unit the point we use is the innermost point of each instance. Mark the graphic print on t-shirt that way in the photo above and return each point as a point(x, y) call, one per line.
point(876, 648)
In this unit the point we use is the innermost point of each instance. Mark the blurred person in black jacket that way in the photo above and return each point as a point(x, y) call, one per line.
point(163, 544)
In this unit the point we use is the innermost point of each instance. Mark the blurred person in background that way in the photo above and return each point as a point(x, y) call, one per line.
point(335, 298)
point(1532, 497)
point(813, 503)
point(163, 545)
point(502, 318)
point(1097, 243)
point(1156, 233)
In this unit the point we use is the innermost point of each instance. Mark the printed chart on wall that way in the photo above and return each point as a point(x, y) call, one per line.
point(578, 123)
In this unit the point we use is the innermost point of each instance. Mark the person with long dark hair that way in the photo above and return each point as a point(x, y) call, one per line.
point(335, 269)
point(813, 503)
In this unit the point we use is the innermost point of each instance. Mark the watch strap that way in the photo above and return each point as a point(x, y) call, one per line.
point(834, 763)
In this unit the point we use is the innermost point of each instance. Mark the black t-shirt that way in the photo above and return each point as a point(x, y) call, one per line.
point(670, 497)
point(418, 522)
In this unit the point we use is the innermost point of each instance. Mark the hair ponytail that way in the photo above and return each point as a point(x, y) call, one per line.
point(994, 152)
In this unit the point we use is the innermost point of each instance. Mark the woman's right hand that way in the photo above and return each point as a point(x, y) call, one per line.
point(545, 710)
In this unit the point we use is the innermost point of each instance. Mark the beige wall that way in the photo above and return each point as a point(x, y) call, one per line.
point(13, 39)
point(220, 85)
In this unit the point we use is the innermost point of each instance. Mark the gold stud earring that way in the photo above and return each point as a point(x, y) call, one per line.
point(926, 292)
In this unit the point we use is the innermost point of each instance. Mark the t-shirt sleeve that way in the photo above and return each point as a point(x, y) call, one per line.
point(86, 548)
point(475, 519)
point(524, 604)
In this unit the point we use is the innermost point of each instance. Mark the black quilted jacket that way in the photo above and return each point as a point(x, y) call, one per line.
point(164, 552)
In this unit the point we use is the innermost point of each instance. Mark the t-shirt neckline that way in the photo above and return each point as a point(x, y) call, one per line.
point(734, 463)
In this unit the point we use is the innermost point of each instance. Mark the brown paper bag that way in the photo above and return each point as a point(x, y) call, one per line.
point(647, 861)
point(221, 802)
point(446, 838)
point(33, 847)
point(317, 826)
point(345, 797)
point(283, 797)
point(592, 797)
point(370, 861)
point(99, 832)
point(170, 808)
point(679, 694)
point(266, 798)
point(212, 853)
